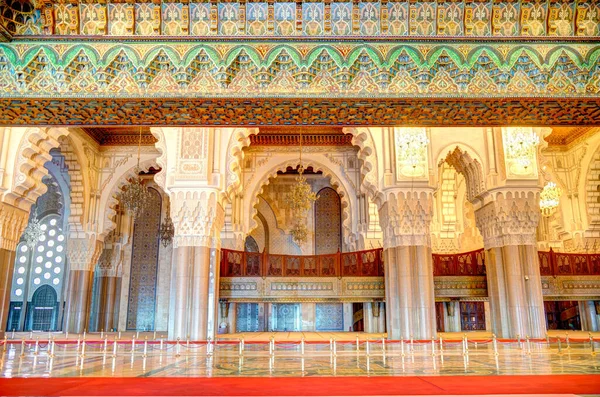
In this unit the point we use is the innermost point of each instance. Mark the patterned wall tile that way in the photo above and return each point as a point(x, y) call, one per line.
point(200, 19)
point(505, 18)
point(144, 266)
point(175, 19)
point(285, 18)
point(94, 20)
point(341, 18)
point(229, 16)
point(147, 19)
point(422, 18)
point(369, 17)
point(450, 18)
point(397, 18)
point(533, 18)
point(256, 18)
point(588, 18)
point(330, 316)
point(121, 17)
point(66, 19)
point(561, 19)
point(328, 222)
point(313, 18)
point(478, 16)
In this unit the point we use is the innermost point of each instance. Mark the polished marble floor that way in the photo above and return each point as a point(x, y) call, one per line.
point(288, 357)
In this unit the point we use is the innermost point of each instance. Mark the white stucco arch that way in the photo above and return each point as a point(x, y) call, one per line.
point(317, 160)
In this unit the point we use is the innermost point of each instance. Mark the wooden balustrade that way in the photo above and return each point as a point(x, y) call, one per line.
point(559, 264)
point(369, 263)
point(251, 264)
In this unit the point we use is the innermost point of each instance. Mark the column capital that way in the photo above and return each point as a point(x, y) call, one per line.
point(405, 218)
point(13, 222)
point(197, 216)
point(510, 219)
point(83, 253)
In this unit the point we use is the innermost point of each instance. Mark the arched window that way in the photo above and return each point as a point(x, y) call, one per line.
point(41, 267)
point(144, 265)
point(328, 221)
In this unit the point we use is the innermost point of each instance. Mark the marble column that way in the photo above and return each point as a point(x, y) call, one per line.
point(452, 316)
point(198, 221)
point(82, 253)
point(12, 223)
point(508, 225)
point(589, 317)
point(410, 302)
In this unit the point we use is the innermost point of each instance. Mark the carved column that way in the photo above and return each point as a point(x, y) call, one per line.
point(410, 305)
point(198, 219)
point(12, 223)
point(508, 225)
point(83, 254)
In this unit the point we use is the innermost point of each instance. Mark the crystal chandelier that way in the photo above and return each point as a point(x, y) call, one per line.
point(32, 233)
point(411, 146)
point(301, 199)
point(167, 229)
point(549, 198)
point(135, 196)
point(521, 145)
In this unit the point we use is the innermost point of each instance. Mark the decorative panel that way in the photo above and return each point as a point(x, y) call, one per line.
point(94, 20)
point(144, 266)
point(397, 18)
point(121, 17)
point(256, 19)
point(369, 16)
point(330, 317)
point(193, 153)
point(286, 317)
point(66, 19)
point(561, 18)
point(533, 18)
point(247, 317)
point(313, 18)
point(341, 18)
point(478, 17)
point(450, 18)
point(588, 18)
point(147, 19)
point(285, 18)
point(200, 19)
point(422, 18)
point(327, 222)
point(175, 19)
point(229, 15)
point(505, 18)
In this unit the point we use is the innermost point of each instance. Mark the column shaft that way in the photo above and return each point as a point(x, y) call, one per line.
point(76, 313)
point(533, 291)
point(7, 265)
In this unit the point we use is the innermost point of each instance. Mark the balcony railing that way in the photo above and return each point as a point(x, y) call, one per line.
point(465, 264)
point(252, 264)
point(559, 264)
point(370, 264)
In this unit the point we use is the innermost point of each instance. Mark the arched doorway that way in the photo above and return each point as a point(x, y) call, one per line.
point(43, 309)
point(328, 222)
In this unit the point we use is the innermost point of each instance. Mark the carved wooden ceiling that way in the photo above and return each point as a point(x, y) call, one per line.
point(290, 136)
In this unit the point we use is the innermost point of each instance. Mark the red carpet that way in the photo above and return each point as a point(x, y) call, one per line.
point(317, 386)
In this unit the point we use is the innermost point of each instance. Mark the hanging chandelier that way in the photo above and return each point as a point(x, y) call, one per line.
point(32, 233)
point(301, 199)
point(135, 196)
point(167, 229)
point(549, 198)
point(521, 145)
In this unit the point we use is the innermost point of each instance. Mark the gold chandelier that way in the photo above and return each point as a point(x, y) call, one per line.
point(301, 199)
point(522, 145)
point(135, 196)
point(549, 199)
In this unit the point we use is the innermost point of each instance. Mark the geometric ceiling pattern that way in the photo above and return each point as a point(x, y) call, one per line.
point(314, 18)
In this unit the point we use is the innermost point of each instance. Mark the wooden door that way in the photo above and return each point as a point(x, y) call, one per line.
point(472, 316)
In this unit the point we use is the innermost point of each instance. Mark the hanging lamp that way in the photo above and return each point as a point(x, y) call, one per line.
point(135, 196)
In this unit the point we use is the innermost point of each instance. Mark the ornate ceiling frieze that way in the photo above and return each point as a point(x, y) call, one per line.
point(278, 111)
point(299, 69)
point(314, 18)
